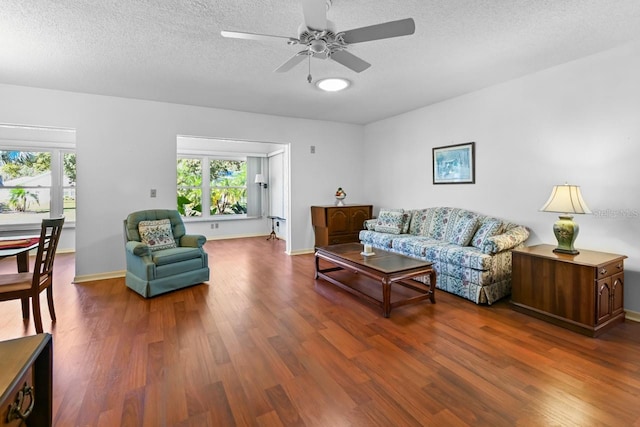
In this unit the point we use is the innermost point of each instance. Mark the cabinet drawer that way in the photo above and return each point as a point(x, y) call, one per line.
point(19, 399)
point(610, 269)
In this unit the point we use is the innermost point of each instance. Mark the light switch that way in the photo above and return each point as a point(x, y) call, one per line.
point(153, 192)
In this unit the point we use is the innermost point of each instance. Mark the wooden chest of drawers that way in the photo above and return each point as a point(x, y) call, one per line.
point(26, 381)
point(338, 224)
point(581, 292)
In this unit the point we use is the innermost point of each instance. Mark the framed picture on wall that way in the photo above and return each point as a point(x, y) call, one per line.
point(454, 164)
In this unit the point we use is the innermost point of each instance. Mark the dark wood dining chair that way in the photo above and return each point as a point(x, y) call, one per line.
point(27, 285)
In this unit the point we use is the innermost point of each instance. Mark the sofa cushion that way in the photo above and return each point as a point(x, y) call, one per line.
point(380, 240)
point(463, 230)
point(415, 245)
point(157, 234)
point(175, 255)
point(489, 228)
point(390, 221)
point(407, 222)
point(418, 218)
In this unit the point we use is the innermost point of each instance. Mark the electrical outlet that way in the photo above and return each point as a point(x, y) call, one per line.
point(152, 193)
point(214, 225)
point(312, 149)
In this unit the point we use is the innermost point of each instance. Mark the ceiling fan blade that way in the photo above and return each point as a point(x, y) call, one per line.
point(253, 36)
point(315, 14)
point(350, 61)
point(403, 27)
point(292, 62)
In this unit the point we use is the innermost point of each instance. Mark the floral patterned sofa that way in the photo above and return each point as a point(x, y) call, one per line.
point(469, 251)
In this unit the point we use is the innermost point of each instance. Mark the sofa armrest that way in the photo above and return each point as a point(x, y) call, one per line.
point(137, 248)
point(507, 240)
point(370, 224)
point(192, 241)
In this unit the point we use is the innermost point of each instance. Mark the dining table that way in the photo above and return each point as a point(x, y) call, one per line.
point(19, 247)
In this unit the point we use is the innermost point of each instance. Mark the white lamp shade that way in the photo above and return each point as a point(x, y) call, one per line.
point(259, 178)
point(566, 199)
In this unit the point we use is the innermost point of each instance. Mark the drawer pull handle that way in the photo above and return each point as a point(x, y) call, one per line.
point(603, 271)
point(619, 266)
point(15, 410)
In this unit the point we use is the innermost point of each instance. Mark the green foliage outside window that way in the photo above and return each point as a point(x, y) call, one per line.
point(22, 198)
point(227, 185)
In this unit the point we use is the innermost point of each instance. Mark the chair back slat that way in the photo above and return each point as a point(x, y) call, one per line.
point(49, 237)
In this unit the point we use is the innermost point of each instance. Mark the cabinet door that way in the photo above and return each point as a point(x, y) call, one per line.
point(617, 294)
point(358, 216)
point(338, 220)
point(603, 300)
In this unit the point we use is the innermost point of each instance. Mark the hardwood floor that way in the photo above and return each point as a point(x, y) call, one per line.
point(264, 344)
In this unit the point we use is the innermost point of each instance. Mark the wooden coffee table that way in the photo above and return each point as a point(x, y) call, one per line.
point(386, 268)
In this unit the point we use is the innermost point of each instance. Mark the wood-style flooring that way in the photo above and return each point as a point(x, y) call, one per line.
point(264, 344)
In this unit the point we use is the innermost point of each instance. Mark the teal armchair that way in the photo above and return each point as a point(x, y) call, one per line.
point(160, 256)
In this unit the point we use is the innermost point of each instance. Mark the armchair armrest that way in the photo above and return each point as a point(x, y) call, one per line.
point(193, 240)
point(137, 248)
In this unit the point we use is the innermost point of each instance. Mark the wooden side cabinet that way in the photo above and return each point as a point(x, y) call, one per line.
point(338, 224)
point(26, 381)
point(583, 292)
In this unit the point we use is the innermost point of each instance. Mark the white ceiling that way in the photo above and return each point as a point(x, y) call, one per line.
point(171, 50)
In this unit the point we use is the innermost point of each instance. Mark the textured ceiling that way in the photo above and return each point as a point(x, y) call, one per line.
point(171, 50)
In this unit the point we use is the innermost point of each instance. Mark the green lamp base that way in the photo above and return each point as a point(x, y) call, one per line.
point(566, 231)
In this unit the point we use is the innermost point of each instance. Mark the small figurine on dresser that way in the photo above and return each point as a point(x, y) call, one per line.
point(340, 195)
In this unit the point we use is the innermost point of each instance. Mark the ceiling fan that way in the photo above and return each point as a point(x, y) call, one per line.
point(319, 38)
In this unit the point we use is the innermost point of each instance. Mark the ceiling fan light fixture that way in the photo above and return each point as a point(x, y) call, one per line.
point(333, 84)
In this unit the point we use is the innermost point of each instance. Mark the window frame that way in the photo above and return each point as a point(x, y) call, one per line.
point(57, 188)
point(205, 186)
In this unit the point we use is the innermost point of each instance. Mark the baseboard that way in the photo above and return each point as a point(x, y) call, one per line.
point(99, 276)
point(302, 252)
point(634, 316)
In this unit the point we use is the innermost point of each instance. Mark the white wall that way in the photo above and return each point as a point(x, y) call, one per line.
point(577, 123)
point(125, 147)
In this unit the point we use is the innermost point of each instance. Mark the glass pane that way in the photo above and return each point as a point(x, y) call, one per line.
point(69, 204)
point(24, 205)
point(228, 201)
point(190, 201)
point(228, 173)
point(25, 181)
point(69, 168)
point(189, 172)
point(25, 169)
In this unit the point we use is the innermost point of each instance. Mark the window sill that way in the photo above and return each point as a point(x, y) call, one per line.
point(12, 229)
point(219, 219)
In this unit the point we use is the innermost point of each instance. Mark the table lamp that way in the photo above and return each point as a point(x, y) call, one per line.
point(567, 200)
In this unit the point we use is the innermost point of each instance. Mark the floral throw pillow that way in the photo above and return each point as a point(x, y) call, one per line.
point(157, 234)
point(391, 222)
point(488, 229)
point(463, 231)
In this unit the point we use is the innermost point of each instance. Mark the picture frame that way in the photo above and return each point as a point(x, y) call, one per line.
point(454, 164)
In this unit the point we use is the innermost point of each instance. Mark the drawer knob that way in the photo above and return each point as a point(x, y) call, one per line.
point(603, 271)
point(15, 410)
point(619, 266)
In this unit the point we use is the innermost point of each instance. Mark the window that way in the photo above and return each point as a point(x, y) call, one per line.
point(222, 180)
point(37, 177)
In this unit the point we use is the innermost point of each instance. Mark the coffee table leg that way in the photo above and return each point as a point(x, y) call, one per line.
point(317, 266)
point(432, 286)
point(386, 297)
